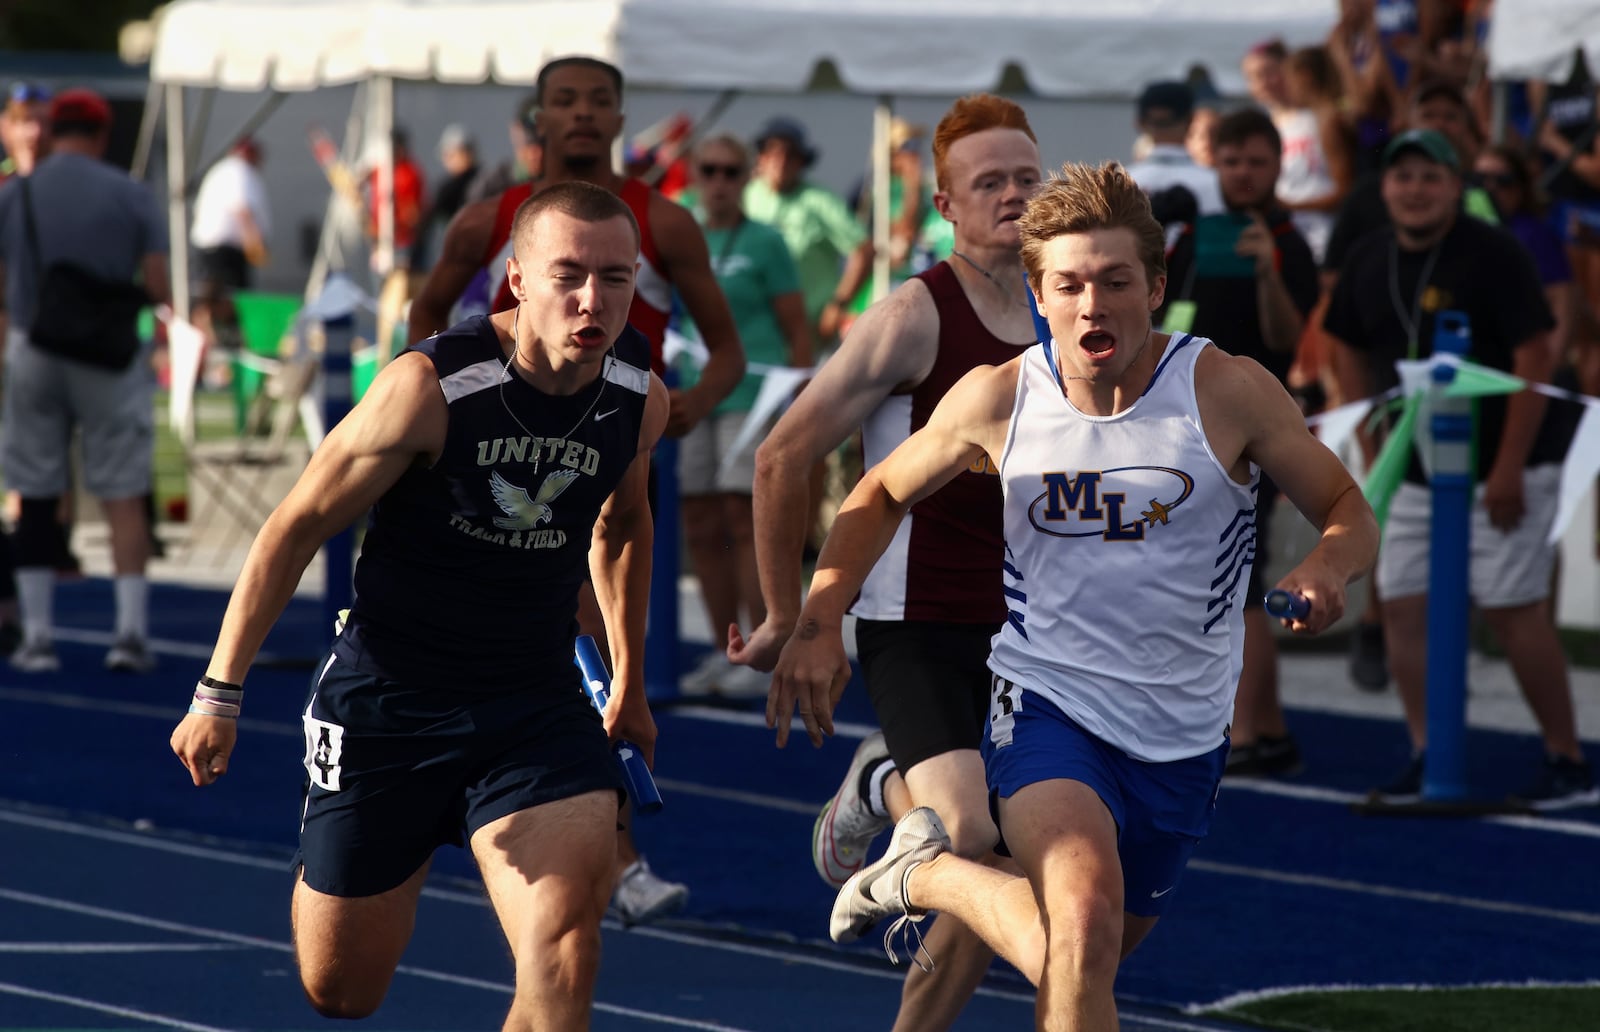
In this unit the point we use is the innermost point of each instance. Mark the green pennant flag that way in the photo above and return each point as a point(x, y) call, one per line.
point(1479, 381)
point(1389, 468)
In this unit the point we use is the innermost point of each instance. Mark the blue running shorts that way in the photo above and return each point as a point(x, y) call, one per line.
point(1162, 810)
point(395, 770)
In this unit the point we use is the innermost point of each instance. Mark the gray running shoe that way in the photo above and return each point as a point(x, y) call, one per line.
point(878, 890)
point(130, 655)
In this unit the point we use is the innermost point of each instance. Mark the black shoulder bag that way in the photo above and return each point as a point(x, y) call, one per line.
point(80, 315)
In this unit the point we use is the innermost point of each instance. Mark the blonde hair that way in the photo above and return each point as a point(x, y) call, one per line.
point(1082, 198)
point(729, 141)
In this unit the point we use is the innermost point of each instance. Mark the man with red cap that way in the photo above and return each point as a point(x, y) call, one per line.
point(78, 214)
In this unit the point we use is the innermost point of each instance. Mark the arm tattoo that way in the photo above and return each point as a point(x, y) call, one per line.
point(808, 630)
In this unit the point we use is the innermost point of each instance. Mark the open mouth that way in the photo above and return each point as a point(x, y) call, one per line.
point(590, 336)
point(1098, 343)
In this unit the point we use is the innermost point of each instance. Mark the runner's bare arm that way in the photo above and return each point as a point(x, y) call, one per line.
point(401, 421)
point(970, 421)
point(682, 249)
point(890, 348)
point(460, 258)
point(1248, 414)
point(619, 566)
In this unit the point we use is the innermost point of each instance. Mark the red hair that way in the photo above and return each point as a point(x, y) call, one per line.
point(974, 114)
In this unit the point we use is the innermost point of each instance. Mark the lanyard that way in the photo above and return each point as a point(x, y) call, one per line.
point(1410, 319)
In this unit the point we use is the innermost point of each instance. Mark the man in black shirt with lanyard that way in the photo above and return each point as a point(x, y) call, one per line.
point(1247, 278)
point(1432, 258)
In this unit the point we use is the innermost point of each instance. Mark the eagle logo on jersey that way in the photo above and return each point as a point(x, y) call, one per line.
point(524, 511)
point(1094, 503)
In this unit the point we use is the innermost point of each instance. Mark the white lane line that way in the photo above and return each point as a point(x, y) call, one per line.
point(892, 974)
point(467, 898)
point(106, 1008)
point(1390, 892)
point(1260, 995)
point(198, 931)
point(1260, 786)
point(732, 795)
point(113, 947)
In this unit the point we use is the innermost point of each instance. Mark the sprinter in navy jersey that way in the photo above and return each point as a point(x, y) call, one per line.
point(498, 458)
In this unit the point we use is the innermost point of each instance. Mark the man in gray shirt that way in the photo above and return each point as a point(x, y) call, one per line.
point(93, 215)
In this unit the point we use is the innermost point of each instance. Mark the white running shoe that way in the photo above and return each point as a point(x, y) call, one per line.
point(743, 682)
point(36, 657)
point(642, 897)
point(878, 890)
point(845, 827)
point(705, 678)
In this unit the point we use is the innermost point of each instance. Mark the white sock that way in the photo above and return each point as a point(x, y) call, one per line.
point(36, 596)
point(133, 605)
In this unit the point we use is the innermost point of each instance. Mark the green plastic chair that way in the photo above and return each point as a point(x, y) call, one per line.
point(264, 318)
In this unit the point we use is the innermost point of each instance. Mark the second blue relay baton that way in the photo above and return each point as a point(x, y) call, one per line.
point(597, 682)
point(1286, 605)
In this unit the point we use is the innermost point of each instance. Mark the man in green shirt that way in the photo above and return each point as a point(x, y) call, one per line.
point(830, 248)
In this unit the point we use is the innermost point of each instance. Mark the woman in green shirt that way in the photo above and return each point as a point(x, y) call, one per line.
point(757, 274)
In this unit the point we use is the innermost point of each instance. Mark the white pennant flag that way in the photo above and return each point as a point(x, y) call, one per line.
point(1337, 426)
point(1578, 471)
point(778, 384)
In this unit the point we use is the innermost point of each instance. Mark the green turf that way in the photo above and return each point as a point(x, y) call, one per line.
point(1427, 1010)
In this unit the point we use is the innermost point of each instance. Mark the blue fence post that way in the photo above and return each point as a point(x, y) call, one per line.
point(662, 630)
point(338, 330)
point(1444, 775)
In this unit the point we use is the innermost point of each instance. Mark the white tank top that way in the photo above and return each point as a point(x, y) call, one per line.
point(1128, 558)
point(1305, 175)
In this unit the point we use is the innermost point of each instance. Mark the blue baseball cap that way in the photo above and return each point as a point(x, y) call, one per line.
point(23, 92)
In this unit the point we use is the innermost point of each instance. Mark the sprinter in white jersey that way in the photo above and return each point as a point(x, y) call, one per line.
point(1128, 460)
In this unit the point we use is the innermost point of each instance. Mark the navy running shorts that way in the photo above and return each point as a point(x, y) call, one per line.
point(1162, 810)
point(929, 684)
point(395, 770)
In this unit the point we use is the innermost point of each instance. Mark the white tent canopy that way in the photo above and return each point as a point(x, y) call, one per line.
point(905, 47)
point(1535, 39)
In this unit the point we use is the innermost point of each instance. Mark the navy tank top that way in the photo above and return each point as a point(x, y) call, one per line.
point(469, 572)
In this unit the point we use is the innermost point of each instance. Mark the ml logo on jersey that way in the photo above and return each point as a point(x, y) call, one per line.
point(1094, 503)
point(522, 510)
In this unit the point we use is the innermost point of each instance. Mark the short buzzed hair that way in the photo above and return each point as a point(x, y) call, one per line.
point(973, 114)
point(1084, 198)
point(575, 61)
point(582, 201)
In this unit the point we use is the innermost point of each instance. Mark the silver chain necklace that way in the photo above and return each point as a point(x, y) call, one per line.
point(505, 374)
point(986, 274)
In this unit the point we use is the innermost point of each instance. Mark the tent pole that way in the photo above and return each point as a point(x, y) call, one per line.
point(391, 265)
point(199, 122)
point(882, 118)
point(177, 202)
point(380, 127)
point(147, 131)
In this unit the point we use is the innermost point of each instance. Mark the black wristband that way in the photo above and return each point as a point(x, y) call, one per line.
point(212, 682)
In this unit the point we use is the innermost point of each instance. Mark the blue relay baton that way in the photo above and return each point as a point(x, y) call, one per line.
point(597, 682)
point(1286, 605)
